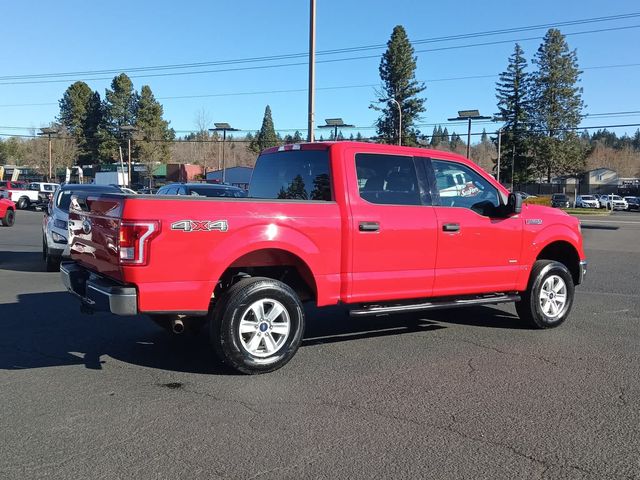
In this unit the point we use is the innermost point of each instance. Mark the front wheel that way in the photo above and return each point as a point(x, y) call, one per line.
point(9, 218)
point(258, 325)
point(52, 264)
point(549, 297)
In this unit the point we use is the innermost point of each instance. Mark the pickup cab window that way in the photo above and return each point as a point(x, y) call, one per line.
point(387, 179)
point(292, 175)
point(460, 186)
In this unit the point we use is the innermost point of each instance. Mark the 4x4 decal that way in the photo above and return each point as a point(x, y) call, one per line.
point(200, 225)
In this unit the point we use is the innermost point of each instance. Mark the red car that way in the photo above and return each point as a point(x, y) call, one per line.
point(7, 212)
point(380, 228)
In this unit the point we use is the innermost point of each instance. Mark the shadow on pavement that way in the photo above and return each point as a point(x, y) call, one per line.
point(47, 329)
point(22, 261)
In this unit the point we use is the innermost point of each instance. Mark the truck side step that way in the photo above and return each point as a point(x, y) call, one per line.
point(434, 304)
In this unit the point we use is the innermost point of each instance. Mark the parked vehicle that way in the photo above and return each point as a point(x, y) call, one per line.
point(618, 202)
point(7, 212)
point(202, 189)
point(45, 192)
point(633, 203)
point(560, 200)
point(360, 224)
point(55, 222)
point(587, 201)
point(20, 194)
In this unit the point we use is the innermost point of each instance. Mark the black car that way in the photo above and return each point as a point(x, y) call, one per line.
point(633, 203)
point(202, 190)
point(560, 200)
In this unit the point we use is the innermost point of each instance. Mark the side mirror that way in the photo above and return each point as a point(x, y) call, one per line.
point(514, 204)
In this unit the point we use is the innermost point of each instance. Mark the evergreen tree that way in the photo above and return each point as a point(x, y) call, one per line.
point(557, 107)
point(445, 136)
point(359, 137)
point(154, 137)
point(484, 138)
point(513, 92)
point(397, 72)
point(435, 137)
point(297, 137)
point(119, 109)
point(266, 137)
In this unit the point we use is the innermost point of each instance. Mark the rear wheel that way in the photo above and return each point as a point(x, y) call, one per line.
point(257, 326)
point(9, 218)
point(23, 203)
point(549, 296)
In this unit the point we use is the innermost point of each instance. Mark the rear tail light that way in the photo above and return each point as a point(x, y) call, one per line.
point(134, 241)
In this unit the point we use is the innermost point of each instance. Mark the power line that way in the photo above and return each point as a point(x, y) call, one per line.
point(592, 127)
point(334, 60)
point(327, 52)
point(335, 87)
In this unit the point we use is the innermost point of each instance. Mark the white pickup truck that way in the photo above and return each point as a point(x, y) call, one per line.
point(20, 194)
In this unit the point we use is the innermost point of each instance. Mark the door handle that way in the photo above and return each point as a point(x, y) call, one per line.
point(451, 227)
point(369, 226)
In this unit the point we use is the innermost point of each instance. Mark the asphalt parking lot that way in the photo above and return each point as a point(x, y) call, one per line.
point(468, 393)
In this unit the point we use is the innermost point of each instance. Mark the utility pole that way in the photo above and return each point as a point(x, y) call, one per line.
point(312, 68)
point(128, 131)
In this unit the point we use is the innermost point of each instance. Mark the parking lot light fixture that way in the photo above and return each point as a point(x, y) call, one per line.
point(335, 123)
point(224, 128)
point(469, 115)
point(49, 132)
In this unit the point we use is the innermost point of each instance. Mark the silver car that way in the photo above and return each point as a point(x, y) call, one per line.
point(587, 201)
point(55, 225)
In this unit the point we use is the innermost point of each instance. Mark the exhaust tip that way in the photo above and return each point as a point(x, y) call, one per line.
point(177, 326)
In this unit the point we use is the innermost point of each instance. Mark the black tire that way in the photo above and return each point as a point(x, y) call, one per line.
point(234, 348)
point(52, 263)
point(533, 304)
point(9, 218)
point(23, 203)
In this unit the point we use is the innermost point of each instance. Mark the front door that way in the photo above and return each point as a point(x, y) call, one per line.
point(479, 250)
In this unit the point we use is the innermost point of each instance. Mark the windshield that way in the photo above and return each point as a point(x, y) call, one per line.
point(560, 197)
point(587, 197)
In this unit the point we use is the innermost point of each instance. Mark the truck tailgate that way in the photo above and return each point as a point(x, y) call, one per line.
point(94, 230)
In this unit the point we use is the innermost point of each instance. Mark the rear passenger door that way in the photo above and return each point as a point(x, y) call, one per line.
point(393, 229)
point(479, 249)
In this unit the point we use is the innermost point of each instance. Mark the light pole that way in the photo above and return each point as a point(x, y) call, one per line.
point(224, 128)
point(312, 68)
point(48, 131)
point(469, 115)
point(335, 123)
point(128, 130)
point(391, 99)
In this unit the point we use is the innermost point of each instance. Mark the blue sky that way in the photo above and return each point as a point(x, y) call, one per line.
point(69, 36)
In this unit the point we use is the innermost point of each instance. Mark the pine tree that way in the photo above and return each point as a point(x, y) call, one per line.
point(154, 137)
point(297, 137)
point(513, 92)
point(557, 107)
point(435, 137)
point(445, 136)
point(119, 109)
point(397, 72)
point(359, 137)
point(80, 114)
point(484, 138)
point(266, 137)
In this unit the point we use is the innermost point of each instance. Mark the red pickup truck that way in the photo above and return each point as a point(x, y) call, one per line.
point(381, 228)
